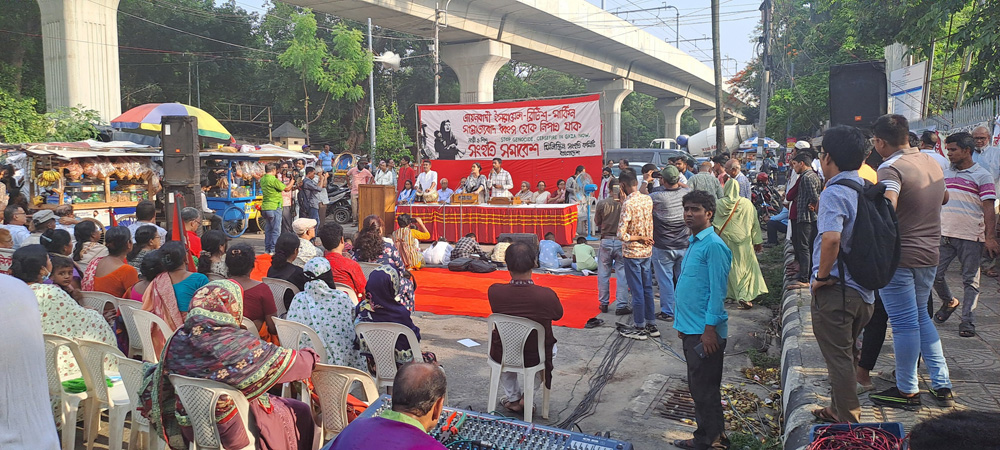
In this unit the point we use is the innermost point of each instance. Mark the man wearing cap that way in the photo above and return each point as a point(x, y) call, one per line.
point(670, 237)
point(357, 176)
point(305, 229)
point(40, 221)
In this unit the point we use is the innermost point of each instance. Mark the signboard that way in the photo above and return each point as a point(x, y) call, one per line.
point(538, 140)
point(906, 90)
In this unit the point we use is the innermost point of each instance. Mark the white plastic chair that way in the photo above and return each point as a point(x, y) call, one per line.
point(98, 300)
point(144, 321)
point(199, 398)
point(291, 335)
point(349, 291)
point(367, 268)
point(115, 398)
point(250, 326)
point(278, 289)
point(132, 372)
point(126, 307)
point(381, 340)
point(514, 332)
point(69, 404)
point(333, 384)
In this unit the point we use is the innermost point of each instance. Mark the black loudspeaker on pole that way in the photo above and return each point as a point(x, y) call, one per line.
point(858, 93)
point(181, 165)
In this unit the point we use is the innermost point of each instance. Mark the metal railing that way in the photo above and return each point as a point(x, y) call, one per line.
point(963, 118)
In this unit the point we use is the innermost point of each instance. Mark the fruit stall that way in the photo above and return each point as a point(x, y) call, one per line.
point(98, 181)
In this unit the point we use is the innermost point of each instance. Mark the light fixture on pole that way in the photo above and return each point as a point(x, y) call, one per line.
point(389, 60)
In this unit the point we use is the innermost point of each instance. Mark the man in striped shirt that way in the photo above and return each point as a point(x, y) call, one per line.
point(964, 221)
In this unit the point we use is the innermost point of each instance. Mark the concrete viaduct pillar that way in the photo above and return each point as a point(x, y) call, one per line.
point(80, 51)
point(613, 94)
point(672, 108)
point(476, 64)
point(706, 118)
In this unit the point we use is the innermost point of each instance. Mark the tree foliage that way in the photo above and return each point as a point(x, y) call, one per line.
point(19, 122)
point(392, 139)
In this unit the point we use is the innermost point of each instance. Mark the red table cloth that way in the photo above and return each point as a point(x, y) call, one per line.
point(489, 221)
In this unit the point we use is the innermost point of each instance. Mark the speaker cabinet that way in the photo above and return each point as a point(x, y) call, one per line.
point(179, 140)
point(858, 93)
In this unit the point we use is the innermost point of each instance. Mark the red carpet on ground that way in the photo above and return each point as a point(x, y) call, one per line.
point(441, 291)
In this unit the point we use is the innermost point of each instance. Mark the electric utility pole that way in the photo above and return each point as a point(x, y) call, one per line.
point(437, 51)
point(371, 93)
point(765, 88)
point(720, 124)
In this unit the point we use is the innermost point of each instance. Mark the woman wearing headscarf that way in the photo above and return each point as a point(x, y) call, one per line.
point(445, 143)
point(369, 247)
point(212, 346)
point(384, 304)
point(736, 222)
point(328, 311)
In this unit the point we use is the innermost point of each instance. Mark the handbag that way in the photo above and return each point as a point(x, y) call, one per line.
point(480, 266)
point(459, 264)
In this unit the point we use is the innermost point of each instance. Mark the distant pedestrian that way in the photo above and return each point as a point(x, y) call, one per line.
point(804, 221)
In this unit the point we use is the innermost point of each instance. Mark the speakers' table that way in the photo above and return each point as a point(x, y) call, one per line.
point(489, 221)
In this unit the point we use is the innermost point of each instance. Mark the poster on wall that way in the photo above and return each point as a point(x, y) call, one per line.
point(538, 140)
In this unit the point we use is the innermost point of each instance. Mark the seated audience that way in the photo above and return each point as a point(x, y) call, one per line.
point(407, 239)
point(40, 222)
point(111, 274)
point(169, 294)
point(191, 218)
point(540, 196)
point(584, 256)
point(14, 220)
point(6, 239)
point(286, 251)
point(328, 311)
point(521, 297)
point(370, 248)
point(210, 343)
point(467, 247)
point(407, 194)
point(62, 276)
point(551, 254)
point(777, 223)
point(212, 258)
point(383, 305)
point(59, 243)
point(88, 243)
point(305, 229)
point(258, 301)
point(418, 392)
point(444, 194)
point(561, 195)
point(146, 239)
point(500, 250)
point(149, 269)
point(525, 193)
point(145, 214)
point(439, 253)
point(345, 270)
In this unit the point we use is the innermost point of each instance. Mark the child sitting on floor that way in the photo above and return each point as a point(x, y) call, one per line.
point(584, 257)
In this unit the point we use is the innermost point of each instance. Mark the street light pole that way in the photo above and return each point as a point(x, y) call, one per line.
point(371, 92)
point(765, 88)
point(720, 125)
point(437, 52)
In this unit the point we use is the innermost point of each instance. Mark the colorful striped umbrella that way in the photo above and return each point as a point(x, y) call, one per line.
point(147, 118)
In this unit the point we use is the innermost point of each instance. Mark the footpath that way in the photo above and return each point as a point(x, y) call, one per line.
point(974, 365)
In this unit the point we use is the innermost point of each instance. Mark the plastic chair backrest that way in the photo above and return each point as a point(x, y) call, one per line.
point(381, 340)
point(98, 300)
point(367, 268)
point(52, 344)
point(514, 332)
point(291, 334)
point(94, 354)
point(144, 321)
point(127, 307)
point(333, 384)
point(250, 325)
point(278, 289)
point(132, 372)
point(349, 291)
point(199, 398)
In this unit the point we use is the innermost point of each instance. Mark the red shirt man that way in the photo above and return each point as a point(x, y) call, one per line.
point(345, 270)
point(406, 172)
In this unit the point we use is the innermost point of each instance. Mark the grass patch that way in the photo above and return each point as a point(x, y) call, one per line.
point(747, 441)
point(772, 266)
point(763, 360)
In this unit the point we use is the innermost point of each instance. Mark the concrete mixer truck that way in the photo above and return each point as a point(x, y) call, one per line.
point(702, 144)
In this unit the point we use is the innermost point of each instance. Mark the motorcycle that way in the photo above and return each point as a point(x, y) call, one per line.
point(339, 207)
point(765, 198)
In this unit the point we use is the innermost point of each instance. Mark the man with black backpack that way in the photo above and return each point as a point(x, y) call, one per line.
point(914, 184)
point(841, 306)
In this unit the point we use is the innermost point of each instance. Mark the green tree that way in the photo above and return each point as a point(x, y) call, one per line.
point(392, 139)
point(337, 74)
point(19, 122)
point(72, 124)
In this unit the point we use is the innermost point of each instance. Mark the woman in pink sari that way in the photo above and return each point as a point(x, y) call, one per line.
point(169, 294)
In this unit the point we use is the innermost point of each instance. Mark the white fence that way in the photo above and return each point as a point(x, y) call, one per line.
point(963, 118)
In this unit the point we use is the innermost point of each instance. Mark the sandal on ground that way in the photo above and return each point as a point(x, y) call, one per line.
point(824, 416)
point(683, 443)
point(594, 323)
point(743, 304)
point(945, 311)
point(992, 273)
point(967, 329)
point(513, 406)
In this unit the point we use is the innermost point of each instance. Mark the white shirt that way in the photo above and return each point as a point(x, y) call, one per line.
point(384, 178)
point(204, 205)
point(427, 180)
point(989, 158)
point(941, 160)
point(18, 234)
point(135, 226)
point(505, 181)
point(439, 253)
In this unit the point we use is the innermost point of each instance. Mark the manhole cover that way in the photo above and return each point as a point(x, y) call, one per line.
point(676, 404)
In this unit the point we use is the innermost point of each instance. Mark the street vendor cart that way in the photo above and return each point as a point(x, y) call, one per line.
point(234, 193)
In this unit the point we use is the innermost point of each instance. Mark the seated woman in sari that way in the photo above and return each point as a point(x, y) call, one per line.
point(169, 294)
point(369, 247)
point(148, 271)
point(258, 301)
point(212, 346)
point(328, 311)
point(382, 304)
point(112, 274)
point(407, 239)
point(145, 240)
point(88, 243)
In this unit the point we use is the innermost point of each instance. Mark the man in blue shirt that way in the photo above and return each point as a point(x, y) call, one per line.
point(551, 254)
point(326, 158)
point(701, 320)
point(840, 306)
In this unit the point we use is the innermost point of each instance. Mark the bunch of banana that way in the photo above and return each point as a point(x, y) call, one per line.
point(48, 178)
